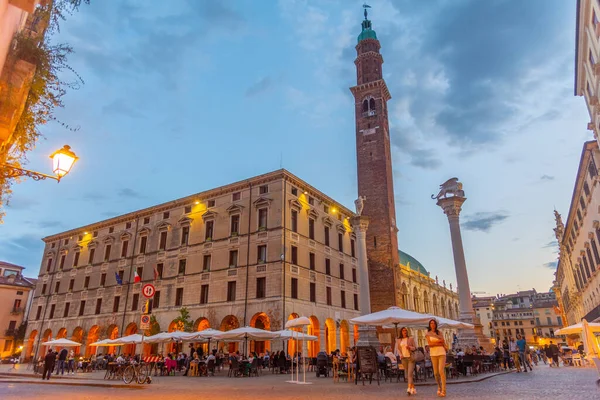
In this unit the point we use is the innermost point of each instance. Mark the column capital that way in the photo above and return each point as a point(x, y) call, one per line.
point(360, 223)
point(452, 206)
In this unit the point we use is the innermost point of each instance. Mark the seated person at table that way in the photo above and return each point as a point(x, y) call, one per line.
point(391, 356)
point(120, 360)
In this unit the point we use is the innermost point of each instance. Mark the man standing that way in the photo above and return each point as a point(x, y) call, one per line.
point(514, 352)
point(48, 364)
point(62, 361)
point(521, 344)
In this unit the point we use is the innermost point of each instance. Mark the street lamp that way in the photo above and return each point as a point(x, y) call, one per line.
point(62, 162)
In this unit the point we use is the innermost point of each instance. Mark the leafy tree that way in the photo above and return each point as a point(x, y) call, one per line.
point(154, 327)
point(183, 321)
point(47, 86)
point(19, 337)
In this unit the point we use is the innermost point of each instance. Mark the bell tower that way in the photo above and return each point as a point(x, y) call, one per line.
point(374, 164)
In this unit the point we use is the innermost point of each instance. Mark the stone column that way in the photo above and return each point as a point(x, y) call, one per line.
point(452, 206)
point(367, 335)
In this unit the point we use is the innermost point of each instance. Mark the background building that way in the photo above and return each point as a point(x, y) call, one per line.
point(16, 293)
point(579, 257)
point(484, 309)
point(533, 315)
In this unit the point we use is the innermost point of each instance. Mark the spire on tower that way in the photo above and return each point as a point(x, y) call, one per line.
point(365, 6)
point(367, 31)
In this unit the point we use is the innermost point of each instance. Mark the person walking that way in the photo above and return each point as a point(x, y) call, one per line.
point(437, 350)
point(554, 353)
point(49, 361)
point(405, 345)
point(506, 354)
point(514, 353)
point(71, 363)
point(522, 345)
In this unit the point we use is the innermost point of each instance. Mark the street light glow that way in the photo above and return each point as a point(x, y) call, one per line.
point(62, 161)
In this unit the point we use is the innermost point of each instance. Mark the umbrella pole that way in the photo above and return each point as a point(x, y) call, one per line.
point(303, 366)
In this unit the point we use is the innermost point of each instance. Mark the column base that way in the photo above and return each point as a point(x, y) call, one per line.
point(367, 336)
point(475, 336)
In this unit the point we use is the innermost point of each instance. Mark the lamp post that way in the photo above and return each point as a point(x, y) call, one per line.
point(62, 162)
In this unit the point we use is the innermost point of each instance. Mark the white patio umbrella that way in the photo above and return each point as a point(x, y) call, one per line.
point(245, 333)
point(130, 339)
point(104, 343)
point(594, 327)
point(161, 337)
point(393, 316)
point(451, 323)
point(289, 334)
point(62, 343)
point(209, 334)
point(589, 341)
point(300, 322)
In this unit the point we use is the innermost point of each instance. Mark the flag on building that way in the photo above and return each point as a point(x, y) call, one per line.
point(136, 278)
point(155, 273)
point(118, 278)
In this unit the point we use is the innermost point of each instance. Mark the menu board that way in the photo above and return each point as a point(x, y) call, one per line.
point(367, 363)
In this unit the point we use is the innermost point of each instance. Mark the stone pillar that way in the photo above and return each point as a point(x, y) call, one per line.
point(367, 335)
point(452, 207)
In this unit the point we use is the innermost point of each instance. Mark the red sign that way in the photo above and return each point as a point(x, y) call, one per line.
point(148, 290)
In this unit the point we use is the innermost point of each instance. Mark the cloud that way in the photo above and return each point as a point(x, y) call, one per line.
point(483, 221)
point(547, 178)
point(129, 193)
point(406, 144)
point(21, 203)
point(121, 107)
point(551, 264)
point(259, 87)
point(24, 250)
point(49, 224)
point(129, 39)
point(551, 245)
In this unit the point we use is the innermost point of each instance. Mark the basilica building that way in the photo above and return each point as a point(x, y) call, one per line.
point(256, 252)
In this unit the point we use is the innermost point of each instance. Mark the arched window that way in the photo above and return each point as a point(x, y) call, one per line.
point(372, 104)
point(365, 105)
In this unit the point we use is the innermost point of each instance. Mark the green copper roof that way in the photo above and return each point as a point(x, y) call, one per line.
point(415, 265)
point(367, 32)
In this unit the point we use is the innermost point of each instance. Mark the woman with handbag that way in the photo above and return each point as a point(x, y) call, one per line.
point(437, 350)
point(405, 347)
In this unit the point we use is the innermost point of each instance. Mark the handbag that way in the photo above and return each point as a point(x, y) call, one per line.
point(417, 356)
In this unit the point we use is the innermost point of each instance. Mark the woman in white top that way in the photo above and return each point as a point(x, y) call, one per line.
point(404, 346)
point(437, 350)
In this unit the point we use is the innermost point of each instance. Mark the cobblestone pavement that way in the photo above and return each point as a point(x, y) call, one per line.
point(543, 383)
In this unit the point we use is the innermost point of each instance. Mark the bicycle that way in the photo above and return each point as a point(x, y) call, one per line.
point(140, 372)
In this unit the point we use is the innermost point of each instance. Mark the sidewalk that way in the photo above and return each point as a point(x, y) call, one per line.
point(69, 382)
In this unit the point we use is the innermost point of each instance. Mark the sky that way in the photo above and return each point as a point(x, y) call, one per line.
point(188, 95)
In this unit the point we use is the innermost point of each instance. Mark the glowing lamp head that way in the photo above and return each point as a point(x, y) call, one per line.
point(196, 202)
point(334, 210)
point(62, 161)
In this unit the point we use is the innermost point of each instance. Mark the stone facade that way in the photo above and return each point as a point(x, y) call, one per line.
point(587, 59)
point(227, 254)
point(15, 296)
point(374, 165)
point(577, 276)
